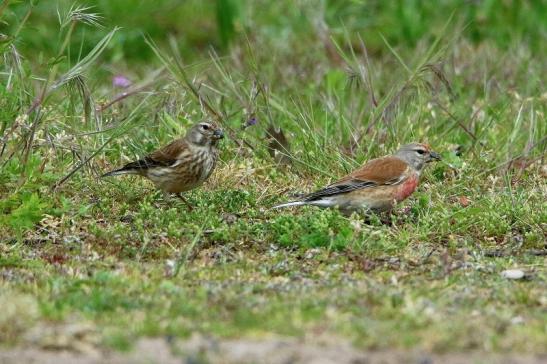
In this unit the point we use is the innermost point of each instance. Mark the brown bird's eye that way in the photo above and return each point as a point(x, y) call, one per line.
point(420, 151)
point(205, 126)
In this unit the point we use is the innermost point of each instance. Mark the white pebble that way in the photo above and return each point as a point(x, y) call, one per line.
point(512, 274)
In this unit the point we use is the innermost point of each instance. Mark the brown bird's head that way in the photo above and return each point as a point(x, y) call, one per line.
point(205, 134)
point(417, 155)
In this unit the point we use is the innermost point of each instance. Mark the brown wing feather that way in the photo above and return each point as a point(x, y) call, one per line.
point(377, 172)
point(168, 154)
point(163, 157)
point(381, 171)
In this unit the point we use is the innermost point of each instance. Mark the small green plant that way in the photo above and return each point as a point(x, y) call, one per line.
point(28, 213)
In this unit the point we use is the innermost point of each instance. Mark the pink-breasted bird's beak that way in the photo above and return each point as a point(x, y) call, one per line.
point(434, 156)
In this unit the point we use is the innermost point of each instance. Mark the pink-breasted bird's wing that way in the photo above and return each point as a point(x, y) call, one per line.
point(377, 172)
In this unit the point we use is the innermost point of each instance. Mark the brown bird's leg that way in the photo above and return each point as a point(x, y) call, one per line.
point(167, 199)
point(185, 202)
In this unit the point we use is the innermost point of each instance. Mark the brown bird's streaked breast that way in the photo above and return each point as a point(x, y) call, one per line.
point(189, 171)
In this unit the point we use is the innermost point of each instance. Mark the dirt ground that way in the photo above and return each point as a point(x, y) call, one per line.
point(200, 349)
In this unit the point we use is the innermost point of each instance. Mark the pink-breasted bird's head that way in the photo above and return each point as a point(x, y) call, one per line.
point(417, 155)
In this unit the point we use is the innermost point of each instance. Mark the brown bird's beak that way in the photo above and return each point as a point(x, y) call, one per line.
point(218, 134)
point(434, 156)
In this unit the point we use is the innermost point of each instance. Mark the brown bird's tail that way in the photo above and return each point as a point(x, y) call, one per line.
point(136, 167)
point(119, 172)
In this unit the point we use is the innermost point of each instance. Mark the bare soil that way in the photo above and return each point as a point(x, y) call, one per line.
point(199, 349)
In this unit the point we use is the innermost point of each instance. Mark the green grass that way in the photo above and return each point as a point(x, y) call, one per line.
point(110, 252)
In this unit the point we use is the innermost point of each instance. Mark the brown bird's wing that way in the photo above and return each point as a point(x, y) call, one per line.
point(163, 157)
point(377, 172)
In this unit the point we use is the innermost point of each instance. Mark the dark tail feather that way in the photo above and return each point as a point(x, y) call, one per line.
point(119, 172)
point(131, 168)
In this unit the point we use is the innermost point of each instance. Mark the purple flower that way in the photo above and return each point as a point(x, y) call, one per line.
point(252, 121)
point(121, 81)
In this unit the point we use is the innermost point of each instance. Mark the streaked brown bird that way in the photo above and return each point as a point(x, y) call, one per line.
point(182, 165)
point(376, 186)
